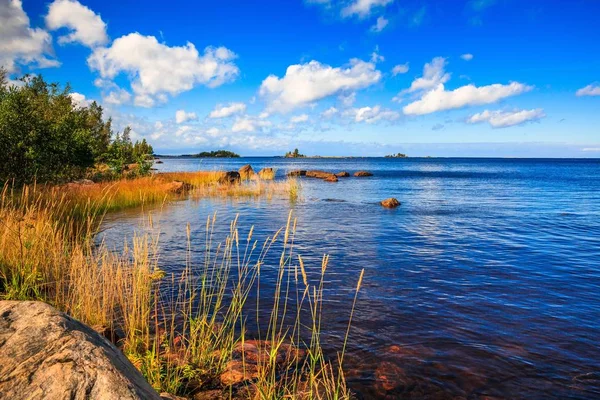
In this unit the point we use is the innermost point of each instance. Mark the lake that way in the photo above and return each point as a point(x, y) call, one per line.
point(484, 283)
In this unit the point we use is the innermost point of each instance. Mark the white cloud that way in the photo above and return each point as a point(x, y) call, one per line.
point(299, 118)
point(306, 83)
point(591, 149)
point(86, 26)
point(433, 75)
point(376, 57)
point(117, 96)
point(363, 8)
point(19, 43)
point(330, 112)
point(440, 99)
point(467, 57)
point(380, 24)
point(590, 90)
point(222, 111)
point(400, 69)
point(504, 119)
point(79, 100)
point(157, 70)
point(371, 115)
point(181, 116)
point(347, 99)
point(249, 124)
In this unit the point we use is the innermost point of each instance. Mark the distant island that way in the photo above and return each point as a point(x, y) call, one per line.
point(397, 155)
point(205, 154)
point(294, 154)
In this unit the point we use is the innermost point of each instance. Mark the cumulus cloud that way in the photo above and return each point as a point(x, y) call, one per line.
point(117, 96)
point(299, 118)
point(86, 26)
point(434, 97)
point(380, 24)
point(181, 116)
point(400, 69)
point(303, 84)
point(467, 56)
point(371, 115)
point(590, 90)
point(363, 8)
point(434, 74)
point(504, 119)
point(224, 111)
point(249, 124)
point(79, 100)
point(440, 99)
point(19, 43)
point(157, 70)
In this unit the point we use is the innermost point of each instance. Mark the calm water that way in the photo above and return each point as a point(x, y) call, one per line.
point(485, 283)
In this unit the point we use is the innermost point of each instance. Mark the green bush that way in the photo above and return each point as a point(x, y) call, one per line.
point(46, 137)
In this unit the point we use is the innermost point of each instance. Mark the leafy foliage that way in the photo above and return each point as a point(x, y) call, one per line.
point(46, 137)
point(294, 154)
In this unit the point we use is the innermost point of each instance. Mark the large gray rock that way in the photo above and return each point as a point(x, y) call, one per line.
point(45, 354)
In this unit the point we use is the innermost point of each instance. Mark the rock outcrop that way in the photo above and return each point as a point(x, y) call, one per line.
point(266, 173)
point(342, 174)
point(390, 203)
point(45, 354)
point(362, 173)
point(246, 172)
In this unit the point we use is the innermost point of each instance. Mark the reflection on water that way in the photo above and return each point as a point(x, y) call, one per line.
point(485, 283)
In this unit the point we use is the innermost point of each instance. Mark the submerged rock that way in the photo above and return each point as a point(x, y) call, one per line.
point(389, 376)
point(158, 162)
point(230, 178)
point(342, 174)
point(390, 203)
point(246, 172)
point(331, 178)
point(45, 354)
point(297, 172)
point(362, 173)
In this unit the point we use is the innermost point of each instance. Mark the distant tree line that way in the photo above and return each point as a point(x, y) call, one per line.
point(206, 154)
point(397, 155)
point(46, 137)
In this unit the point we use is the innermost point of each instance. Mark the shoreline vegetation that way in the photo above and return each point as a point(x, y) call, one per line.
point(187, 332)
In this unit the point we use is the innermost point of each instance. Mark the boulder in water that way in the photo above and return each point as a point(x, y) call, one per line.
point(342, 174)
point(390, 203)
point(362, 173)
point(230, 178)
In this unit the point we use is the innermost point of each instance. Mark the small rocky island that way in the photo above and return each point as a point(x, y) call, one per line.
point(397, 155)
point(294, 154)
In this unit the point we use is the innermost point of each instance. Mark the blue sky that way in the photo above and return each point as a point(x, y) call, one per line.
point(331, 77)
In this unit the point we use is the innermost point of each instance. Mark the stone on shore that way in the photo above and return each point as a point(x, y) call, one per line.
point(362, 173)
point(342, 174)
point(246, 172)
point(45, 354)
point(390, 203)
point(179, 187)
point(230, 178)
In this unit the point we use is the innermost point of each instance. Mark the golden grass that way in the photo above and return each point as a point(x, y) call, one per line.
point(181, 344)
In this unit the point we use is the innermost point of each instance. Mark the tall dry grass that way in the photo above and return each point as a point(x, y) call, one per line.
point(186, 332)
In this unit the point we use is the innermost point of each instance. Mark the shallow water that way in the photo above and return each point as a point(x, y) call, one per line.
point(484, 282)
